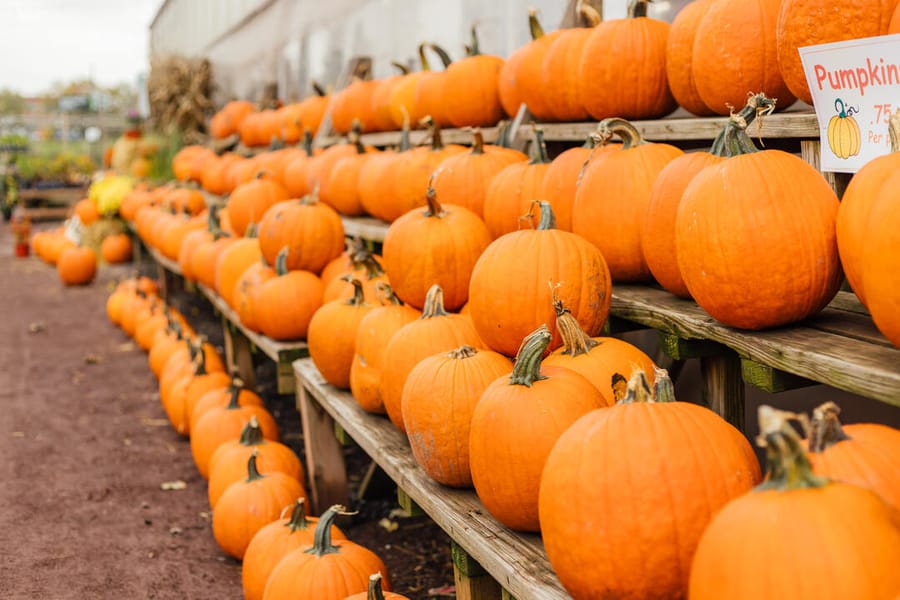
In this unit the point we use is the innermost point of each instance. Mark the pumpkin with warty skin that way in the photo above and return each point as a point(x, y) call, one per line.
point(324, 570)
point(332, 334)
point(435, 331)
point(77, 265)
point(860, 454)
point(726, 66)
point(615, 190)
point(374, 333)
point(116, 248)
point(273, 542)
point(510, 291)
point(559, 69)
point(662, 452)
point(514, 426)
point(679, 57)
point(439, 397)
point(471, 98)
point(228, 464)
point(778, 531)
point(249, 505)
point(375, 591)
point(249, 201)
point(286, 303)
point(758, 256)
point(438, 245)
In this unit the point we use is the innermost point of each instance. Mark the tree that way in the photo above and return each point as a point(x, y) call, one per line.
point(11, 103)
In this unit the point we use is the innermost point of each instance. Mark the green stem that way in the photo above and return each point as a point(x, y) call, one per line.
point(576, 341)
point(527, 369)
point(547, 218)
point(473, 49)
point(434, 303)
point(534, 26)
point(251, 434)
point(253, 473)
point(235, 389)
point(787, 467)
point(307, 142)
point(825, 430)
point(358, 298)
point(540, 149)
point(386, 294)
point(298, 520)
point(404, 70)
point(201, 364)
point(423, 60)
point(733, 140)
point(318, 89)
point(322, 540)
point(375, 591)
point(627, 132)
point(639, 389)
point(590, 16)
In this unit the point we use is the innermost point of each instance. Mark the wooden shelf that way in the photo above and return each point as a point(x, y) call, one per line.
point(167, 263)
point(366, 228)
point(416, 137)
point(516, 561)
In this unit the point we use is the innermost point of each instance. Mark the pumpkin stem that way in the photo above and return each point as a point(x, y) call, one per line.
point(576, 341)
point(434, 207)
point(639, 390)
point(477, 141)
point(472, 49)
point(251, 434)
point(404, 131)
point(322, 539)
point(733, 139)
point(464, 351)
point(253, 473)
point(375, 591)
point(534, 26)
point(894, 131)
point(386, 294)
point(527, 369)
point(318, 89)
point(307, 142)
point(358, 297)
point(434, 303)
point(590, 16)
point(825, 428)
point(638, 8)
point(663, 388)
point(591, 142)
point(787, 467)
point(627, 132)
point(436, 142)
point(362, 258)
point(298, 520)
point(281, 262)
point(235, 388)
point(547, 219)
point(252, 231)
point(212, 219)
point(540, 156)
point(404, 70)
point(442, 54)
point(423, 60)
point(200, 368)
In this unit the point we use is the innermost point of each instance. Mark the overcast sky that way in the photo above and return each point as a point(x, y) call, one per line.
point(43, 41)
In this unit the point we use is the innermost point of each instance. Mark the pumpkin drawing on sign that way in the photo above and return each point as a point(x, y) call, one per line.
point(843, 131)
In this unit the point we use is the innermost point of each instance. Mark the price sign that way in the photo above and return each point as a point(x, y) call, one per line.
point(855, 87)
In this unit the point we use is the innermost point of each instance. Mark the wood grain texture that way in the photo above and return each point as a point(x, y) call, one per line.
point(418, 137)
point(722, 387)
point(325, 467)
point(366, 228)
point(848, 363)
point(769, 379)
point(516, 561)
point(165, 262)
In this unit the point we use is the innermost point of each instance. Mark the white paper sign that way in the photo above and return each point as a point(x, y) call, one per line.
point(855, 87)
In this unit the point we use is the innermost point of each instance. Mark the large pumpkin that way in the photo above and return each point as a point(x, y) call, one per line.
point(879, 262)
point(312, 232)
point(514, 426)
point(758, 256)
point(250, 201)
point(429, 92)
point(798, 535)
point(676, 465)
point(680, 56)
point(471, 98)
point(559, 69)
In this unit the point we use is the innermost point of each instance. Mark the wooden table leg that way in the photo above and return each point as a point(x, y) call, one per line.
point(723, 386)
point(325, 466)
point(472, 581)
point(238, 354)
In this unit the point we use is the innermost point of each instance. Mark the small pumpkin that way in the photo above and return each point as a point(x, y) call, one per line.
point(249, 201)
point(354, 103)
point(220, 396)
point(429, 93)
point(286, 303)
point(245, 297)
point(116, 248)
point(471, 97)
point(86, 211)
point(77, 265)
point(376, 591)
point(843, 132)
point(340, 189)
point(231, 264)
point(680, 55)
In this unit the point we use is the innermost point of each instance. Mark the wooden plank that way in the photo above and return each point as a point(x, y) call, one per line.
point(810, 152)
point(325, 467)
point(849, 364)
point(722, 387)
point(417, 137)
point(471, 580)
point(66, 195)
point(848, 324)
point(167, 263)
point(516, 561)
point(849, 302)
point(682, 349)
point(771, 380)
point(238, 353)
point(366, 228)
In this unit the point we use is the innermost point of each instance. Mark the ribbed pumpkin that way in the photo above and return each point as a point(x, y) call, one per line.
point(332, 335)
point(362, 265)
point(340, 190)
point(295, 176)
point(377, 178)
point(513, 191)
point(727, 66)
point(231, 264)
point(188, 389)
point(273, 542)
point(463, 179)
point(471, 97)
point(249, 505)
point(173, 237)
point(313, 108)
point(324, 570)
point(439, 397)
point(599, 359)
point(681, 459)
point(438, 245)
point(510, 291)
point(286, 303)
point(756, 256)
point(312, 232)
point(182, 361)
point(679, 57)
point(372, 336)
point(381, 99)
point(435, 331)
point(402, 102)
point(228, 464)
point(221, 424)
point(204, 259)
point(185, 200)
point(77, 265)
point(879, 262)
point(895, 21)
point(429, 92)
point(219, 397)
point(354, 103)
point(163, 349)
point(245, 297)
point(866, 190)
point(658, 233)
point(320, 165)
point(559, 69)
point(623, 68)
point(798, 535)
point(376, 591)
point(514, 426)
point(614, 194)
point(116, 248)
point(250, 201)
point(198, 387)
point(811, 22)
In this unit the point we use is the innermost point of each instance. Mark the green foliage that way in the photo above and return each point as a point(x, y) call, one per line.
point(62, 167)
point(11, 103)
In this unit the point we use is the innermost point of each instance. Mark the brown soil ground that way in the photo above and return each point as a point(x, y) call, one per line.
point(85, 448)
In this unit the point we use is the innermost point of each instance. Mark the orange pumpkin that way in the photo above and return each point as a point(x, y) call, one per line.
point(471, 96)
point(231, 264)
point(381, 98)
point(559, 69)
point(87, 212)
point(250, 201)
point(375, 591)
point(247, 288)
point(354, 103)
point(77, 265)
point(286, 303)
point(340, 189)
point(116, 248)
point(428, 94)
point(219, 396)
point(680, 56)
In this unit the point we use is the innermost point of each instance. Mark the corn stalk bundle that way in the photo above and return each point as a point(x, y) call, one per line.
point(180, 91)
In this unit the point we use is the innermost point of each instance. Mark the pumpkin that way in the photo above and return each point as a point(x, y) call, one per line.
point(374, 332)
point(205, 256)
point(681, 459)
point(182, 361)
point(295, 176)
point(802, 23)
point(332, 333)
point(340, 190)
point(376, 591)
point(509, 295)
point(363, 266)
point(312, 231)
point(726, 66)
point(471, 97)
point(273, 542)
point(86, 211)
point(559, 71)
point(223, 423)
point(181, 162)
point(439, 397)
point(843, 132)
point(757, 256)
point(377, 178)
point(778, 530)
point(77, 265)
point(658, 232)
point(403, 101)
point(381, 98)
point(146, 329)
point(220, 396)
point(615, 189)
point(190, 243)
point(228, 464)
point(185, 200)
point(324, 570)
point(286, 303)
point(597, 358)
point(895, 21)
point(163, 349)
point(198, 386)
point(249, 505)
point(514, 190)
point(879, 262)
point(173, 238)
point(249, 201)
point(215, 177)
point(320, 166)
point(245, 297)
point(463, 179)
point(354, 103)
point(231, 264)
point(187, 389)
point(859, 454)
point(291, 122)
point(313, 108)
point(622, 72)
point(116, 248)
point(438, 245)
point(428, 96)
point(680, 57)
point(435, 331)
point(515, 424)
